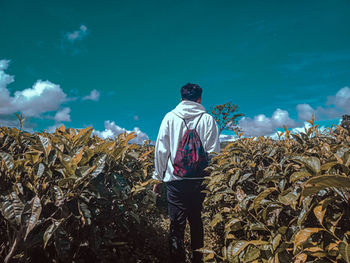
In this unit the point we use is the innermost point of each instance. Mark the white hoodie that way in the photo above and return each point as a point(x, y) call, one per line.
point(173, 129)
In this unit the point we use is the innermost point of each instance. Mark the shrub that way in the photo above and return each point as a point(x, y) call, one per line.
point(284, 200)
point(67, 197)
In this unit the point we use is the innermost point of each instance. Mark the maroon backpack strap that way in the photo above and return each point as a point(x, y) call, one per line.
point(185, 123)
point(198, 120)
point(183, 120)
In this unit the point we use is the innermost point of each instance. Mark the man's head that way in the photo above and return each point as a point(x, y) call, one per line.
point(191, 92)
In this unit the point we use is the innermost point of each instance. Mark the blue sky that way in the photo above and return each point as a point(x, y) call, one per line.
point(119, 65)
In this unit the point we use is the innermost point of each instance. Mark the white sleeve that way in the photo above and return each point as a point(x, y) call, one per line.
point(212, 136)
point(161, 151)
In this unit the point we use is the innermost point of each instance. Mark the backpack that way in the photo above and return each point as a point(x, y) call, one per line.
point(190, 158)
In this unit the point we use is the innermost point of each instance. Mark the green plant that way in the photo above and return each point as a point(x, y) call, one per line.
point(67, 197)
point(283, 200)
point(226, 117)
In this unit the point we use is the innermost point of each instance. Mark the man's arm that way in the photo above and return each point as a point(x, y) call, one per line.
point(161, 151)
point(212, 136)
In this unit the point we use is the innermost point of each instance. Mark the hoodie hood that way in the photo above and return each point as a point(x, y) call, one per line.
point(187, 109)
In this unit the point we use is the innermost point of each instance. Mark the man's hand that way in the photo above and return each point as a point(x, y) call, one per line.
point(157, 189)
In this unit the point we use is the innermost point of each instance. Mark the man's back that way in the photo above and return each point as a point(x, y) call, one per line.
point(172, 130)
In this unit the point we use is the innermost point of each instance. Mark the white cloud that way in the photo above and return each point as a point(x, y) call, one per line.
point(305, 112)
point(328, 112)
point(5, 80)
point(113, 130)
point(226, 138)
point(262, 125)
point(77, 34)
point(301, 128)
point(136, 118)
point(341, 100)
point(63, 115)
point(336, 106)
point(43, 97)
point(94, 95)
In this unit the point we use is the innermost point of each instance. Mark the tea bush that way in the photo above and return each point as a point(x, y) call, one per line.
point(68, 197)
point(284, 200)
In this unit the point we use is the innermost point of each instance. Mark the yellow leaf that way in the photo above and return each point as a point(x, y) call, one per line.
point(239, 246)
point(62, 128)
point(209, 256)
point(146, 153)
point(217, 219)
point(230, 236)
point(77, 158)
point(333, 246)
point(300, 258)
point(313, 249)
point(228, 146)
point(129, 137)
point(319, 212)
point(303, 235)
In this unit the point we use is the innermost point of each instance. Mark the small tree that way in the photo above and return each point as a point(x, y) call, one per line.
point(226, 117)
point(345, 123)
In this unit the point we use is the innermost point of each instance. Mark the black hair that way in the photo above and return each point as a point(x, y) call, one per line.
point(191, 92)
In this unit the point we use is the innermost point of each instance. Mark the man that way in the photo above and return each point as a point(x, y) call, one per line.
point(184, 194)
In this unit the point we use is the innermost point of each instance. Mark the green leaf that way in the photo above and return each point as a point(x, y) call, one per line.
point(251, 254)
point(58, 195)
point(344, 249)
point(239, 246)
point(327, 166)
point(51, 230)
point(12, 207)
point(8, 160)
point(276, 241)
point(289, 198)
point(36, 211)
point(317, 183)
point(85, 213)
point(45, 144)
point(262, 196)
point(217, 219)
point(99, 163)
point(307, 206)
point(233, 225)
point(311, 162)
point(83, 136)
point(40, 170)
point(299, 175)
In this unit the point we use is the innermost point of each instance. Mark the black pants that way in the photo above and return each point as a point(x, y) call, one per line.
point(185, 201)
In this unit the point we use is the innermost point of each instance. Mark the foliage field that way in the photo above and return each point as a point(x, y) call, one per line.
point(284, 200)
point(70, 196)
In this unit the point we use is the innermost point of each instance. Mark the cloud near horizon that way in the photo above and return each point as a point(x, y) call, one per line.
point(260, 125)
point(112, 130)
point(42, 97)
point(63, 115)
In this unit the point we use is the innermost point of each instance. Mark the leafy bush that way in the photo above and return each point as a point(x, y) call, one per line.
point(284, 200)
point(67, 197)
